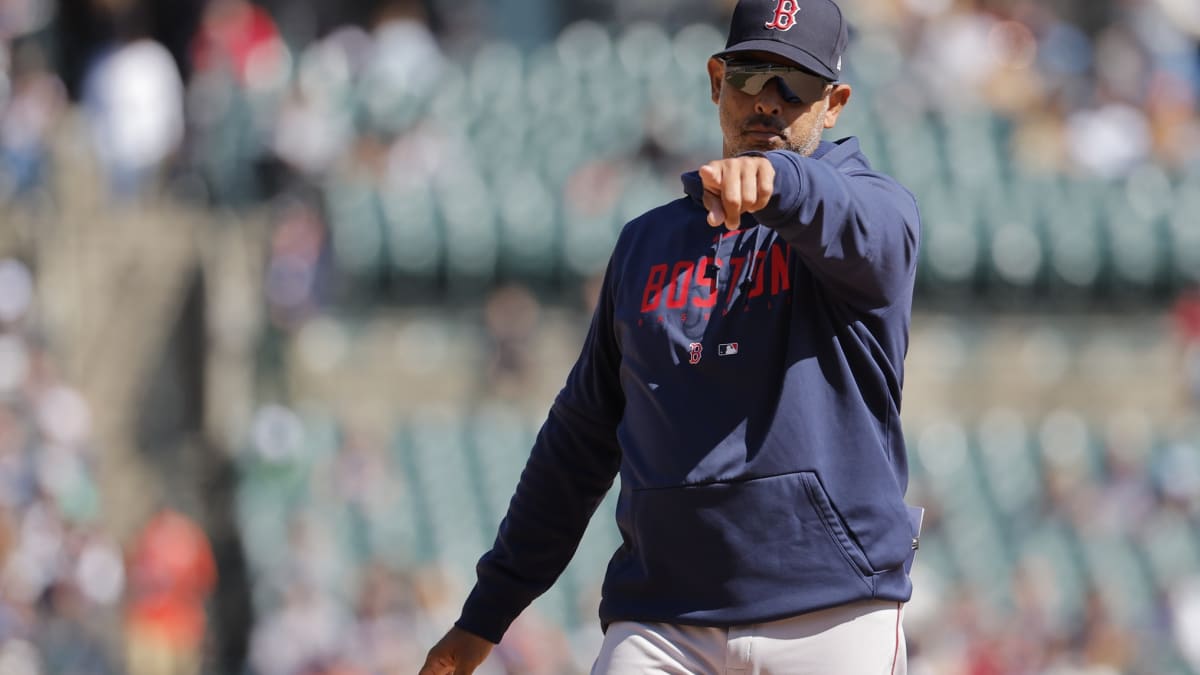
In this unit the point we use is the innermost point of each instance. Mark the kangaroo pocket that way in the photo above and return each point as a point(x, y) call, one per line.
point(773, 541)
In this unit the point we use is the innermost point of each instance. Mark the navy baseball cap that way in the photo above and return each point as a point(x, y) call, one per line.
point(810, 33)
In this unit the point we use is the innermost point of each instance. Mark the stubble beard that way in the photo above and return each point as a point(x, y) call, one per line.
point(805, 144)
point(808, 144)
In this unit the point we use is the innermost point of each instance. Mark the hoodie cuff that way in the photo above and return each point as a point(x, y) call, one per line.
point(788, 191)
point(486, 617)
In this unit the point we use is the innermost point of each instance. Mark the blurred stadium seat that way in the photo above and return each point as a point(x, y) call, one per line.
point(1004, 496)
point(994, 227)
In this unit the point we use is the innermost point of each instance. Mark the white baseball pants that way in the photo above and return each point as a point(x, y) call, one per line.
point(862, 638)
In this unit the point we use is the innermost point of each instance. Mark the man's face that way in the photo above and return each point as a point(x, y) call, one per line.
point(766, 120)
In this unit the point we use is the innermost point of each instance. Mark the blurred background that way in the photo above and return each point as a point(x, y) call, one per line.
point(286, 290)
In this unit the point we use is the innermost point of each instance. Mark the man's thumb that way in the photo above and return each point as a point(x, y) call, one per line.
point(716, 211)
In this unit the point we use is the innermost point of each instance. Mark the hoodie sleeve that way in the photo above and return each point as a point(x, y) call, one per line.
point(572, 465)
point(856, 229)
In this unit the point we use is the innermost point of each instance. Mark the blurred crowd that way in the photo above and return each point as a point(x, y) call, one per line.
point(74, 599)
point(62, 575)
point(1061, 546)
point(341, 587)
point(1094, 88)
point(1097, 88)
point(1096, 544)
point(359, 128)
point(303, 107)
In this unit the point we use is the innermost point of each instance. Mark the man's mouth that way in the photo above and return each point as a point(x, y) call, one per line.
point(763, 136)
point(762, 131)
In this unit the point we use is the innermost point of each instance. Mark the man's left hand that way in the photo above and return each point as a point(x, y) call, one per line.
point(735, 186)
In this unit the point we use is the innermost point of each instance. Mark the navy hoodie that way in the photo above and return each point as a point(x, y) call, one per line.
point(746, 385)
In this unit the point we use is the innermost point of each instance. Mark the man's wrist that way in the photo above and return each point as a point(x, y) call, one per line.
point(476, 633)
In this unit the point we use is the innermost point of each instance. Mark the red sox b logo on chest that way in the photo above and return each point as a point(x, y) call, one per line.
point(785, 15)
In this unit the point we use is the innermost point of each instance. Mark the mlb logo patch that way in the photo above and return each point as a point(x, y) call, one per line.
point(729, 349)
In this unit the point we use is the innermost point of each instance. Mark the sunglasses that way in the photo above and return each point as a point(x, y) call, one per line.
point(795, 85)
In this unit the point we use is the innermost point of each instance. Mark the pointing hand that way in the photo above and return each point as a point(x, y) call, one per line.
point(735, 186)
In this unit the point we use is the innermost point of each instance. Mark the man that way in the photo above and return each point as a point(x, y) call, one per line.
point(745, 382)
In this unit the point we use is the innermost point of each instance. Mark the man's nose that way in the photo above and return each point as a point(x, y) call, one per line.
point(770, 100)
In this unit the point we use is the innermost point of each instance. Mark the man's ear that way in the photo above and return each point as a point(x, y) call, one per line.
point(716, 75)
point(837, 101)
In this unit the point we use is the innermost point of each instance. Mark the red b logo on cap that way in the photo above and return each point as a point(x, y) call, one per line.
point(785, 15)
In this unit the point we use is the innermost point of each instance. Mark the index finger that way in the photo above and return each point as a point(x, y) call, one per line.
point(711, 175)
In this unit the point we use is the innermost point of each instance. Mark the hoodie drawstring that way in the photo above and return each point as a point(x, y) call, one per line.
point(744, 285)
point(749, 281)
